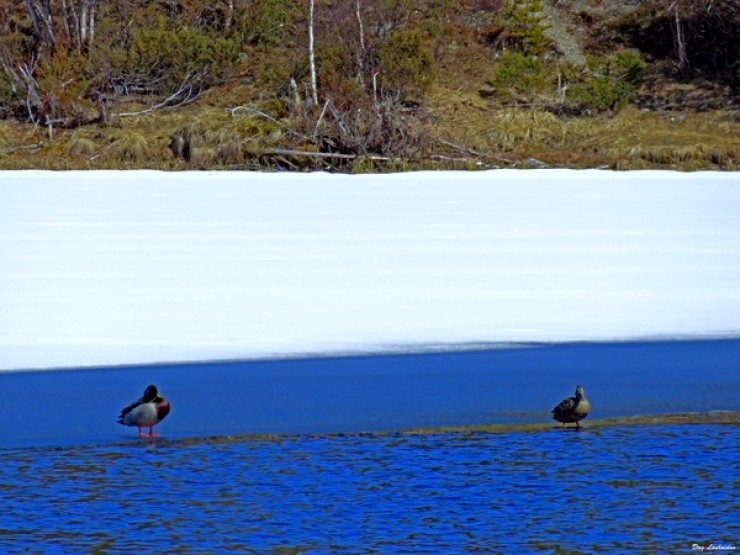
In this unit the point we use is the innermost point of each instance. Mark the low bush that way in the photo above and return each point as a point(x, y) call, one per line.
point(607, 83)
point(13, 49)
point(517, 74)
point(523, 27)
point(407, 67)
point(267, 22)
point(9, 99)
point(168, 58)
point(63, 81)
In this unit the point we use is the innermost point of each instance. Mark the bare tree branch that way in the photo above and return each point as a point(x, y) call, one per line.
point(184, 95)
point(321, 117)
point(289, 152)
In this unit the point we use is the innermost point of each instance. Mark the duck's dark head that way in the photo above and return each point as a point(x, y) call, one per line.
point(579, 392)
point(150, 393)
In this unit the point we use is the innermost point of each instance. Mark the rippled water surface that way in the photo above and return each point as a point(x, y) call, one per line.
point(643, 489)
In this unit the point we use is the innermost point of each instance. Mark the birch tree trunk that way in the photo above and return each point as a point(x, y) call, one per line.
point(229, 14)
point(681, 55)
point(84, 9)
point(69, 25)
point(48, 22)
point(77, 22)
point(91, 28)
point(41, 20)
point(311, 59)
point(33, 14)
point(361, 53)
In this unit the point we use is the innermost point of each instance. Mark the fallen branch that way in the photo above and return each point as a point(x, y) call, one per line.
point(12, 149)
point(460, 148)
point(289, 152)
point(169, 102)
point(473, 152)
point(472, 161)
point(236, 109)
point(260, 113)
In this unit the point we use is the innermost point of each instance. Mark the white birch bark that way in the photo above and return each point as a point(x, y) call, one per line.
point(311, 58)
point(361, 53)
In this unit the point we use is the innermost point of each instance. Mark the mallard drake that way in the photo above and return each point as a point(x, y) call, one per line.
point(572, 409)
point(146, 412)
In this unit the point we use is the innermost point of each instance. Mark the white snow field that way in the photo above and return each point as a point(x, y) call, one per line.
point(105, 267)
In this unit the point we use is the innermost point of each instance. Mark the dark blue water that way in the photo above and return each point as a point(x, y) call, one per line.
point(73, 481)
point(655, 489)
point(373, 393)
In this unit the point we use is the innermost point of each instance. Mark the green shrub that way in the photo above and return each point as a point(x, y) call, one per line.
point(267, 22)
point(608, 83)
point(55, 86)
point(628, 65)
point(444, 5)
point(63, 80)
point(187, 54)
point(12, 47)
point(517, 74)
point(8, 98)
point(336, 67)
point(524, 30)
point(406, 64)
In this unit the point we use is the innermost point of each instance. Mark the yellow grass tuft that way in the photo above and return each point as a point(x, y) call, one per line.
point(130, 147)
point(82, 147)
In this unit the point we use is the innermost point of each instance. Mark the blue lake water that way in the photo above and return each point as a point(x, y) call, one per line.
point(73, 481)
point(373, 393)
point(657, 489)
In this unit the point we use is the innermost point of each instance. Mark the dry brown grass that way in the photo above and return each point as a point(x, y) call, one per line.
point(630, 139)
point(82, 147)
point(483, 131)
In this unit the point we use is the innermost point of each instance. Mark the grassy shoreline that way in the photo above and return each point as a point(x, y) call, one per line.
point(445, 85)
point(729, 417)
point(470, 133)
point(596, 425)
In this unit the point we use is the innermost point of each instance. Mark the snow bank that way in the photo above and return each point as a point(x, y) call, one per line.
point(124, 267)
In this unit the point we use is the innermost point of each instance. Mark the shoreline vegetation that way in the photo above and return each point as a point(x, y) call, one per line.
point(716, 417)
point(380, 86)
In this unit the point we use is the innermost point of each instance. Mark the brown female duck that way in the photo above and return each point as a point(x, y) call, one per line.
point(572, 409)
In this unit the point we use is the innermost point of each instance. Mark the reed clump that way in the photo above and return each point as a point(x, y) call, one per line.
point(130, 148)
point(203, 147)
point(225, 138)
point(82, 147)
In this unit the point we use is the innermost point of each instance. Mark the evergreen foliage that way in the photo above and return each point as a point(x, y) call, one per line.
point(171, 57)
point(406, 64)
point(608, 83)
point(518, 74)
point(524, 27)
point(63, 81)
point(267, 22)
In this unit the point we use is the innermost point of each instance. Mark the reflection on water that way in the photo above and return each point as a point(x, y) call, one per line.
point(648, 489)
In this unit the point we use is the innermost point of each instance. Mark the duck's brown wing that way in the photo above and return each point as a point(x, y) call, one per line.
point(566, 406)
point(128, 409)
